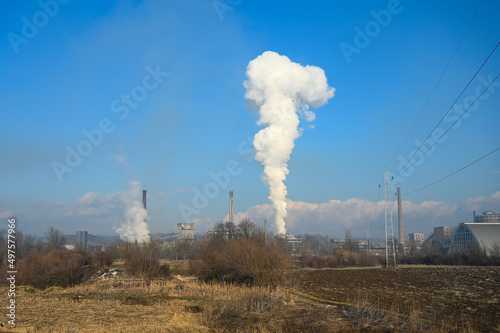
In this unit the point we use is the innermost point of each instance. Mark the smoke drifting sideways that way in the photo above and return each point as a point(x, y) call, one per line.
point(281, 91)
point(135, 228)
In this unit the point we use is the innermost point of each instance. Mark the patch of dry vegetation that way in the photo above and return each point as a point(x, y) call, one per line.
point(242, 261)
point(162, 305)
point(57, 268)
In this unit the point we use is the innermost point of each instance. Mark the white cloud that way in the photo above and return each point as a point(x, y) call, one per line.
point(183, 190)
point(201, 225)
point(336, 216)
point(6, 214)
point(100, 213)
point(92, 204)
point(481, 203)
point(87, 199)
point(118, 158)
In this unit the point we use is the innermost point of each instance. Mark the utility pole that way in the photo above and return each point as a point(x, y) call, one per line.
point(390, 250)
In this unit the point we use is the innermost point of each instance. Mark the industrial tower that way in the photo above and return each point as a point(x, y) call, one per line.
point(390, 248)
point(231, 206)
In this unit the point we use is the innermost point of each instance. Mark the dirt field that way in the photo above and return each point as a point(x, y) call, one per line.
point(467, 297)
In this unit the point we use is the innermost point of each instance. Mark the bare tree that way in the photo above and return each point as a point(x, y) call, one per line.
point(55, 239)
point(232, 230)
point(25, 243)
point(413, 248)
point(226, 230)
point(184, 247)
point(495, 250)
point(350, 243)
point(248, 228)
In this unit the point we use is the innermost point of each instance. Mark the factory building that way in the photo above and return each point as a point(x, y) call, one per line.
point(484, 236)
point(185, 231)
point(417, 237)
point(81, 238)
point(443, 232)
point(294, 245)
point(487, 217)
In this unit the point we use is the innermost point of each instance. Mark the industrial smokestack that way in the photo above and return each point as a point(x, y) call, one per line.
point(231, 206)
point(473, 216)
point(135, 228)
point(400, 219)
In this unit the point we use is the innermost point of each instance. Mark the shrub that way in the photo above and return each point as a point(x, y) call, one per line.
point(142, 260)
point(344, 258)
point(368, 260)
point(57, 268)
point(242, 261)
point(102, 260)
point(314, 262)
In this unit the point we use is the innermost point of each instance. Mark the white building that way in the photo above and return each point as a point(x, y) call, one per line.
point(185, 231)
point(485, 236)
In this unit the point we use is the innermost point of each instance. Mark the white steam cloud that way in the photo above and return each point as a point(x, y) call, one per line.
point(281, 91)
point(135, 228)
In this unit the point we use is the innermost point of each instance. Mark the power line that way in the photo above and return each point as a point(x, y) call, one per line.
point(379, 227)
point(442, 118)
point(376, 207)
point(451, 174)
point(437, 83)
point(437, 140)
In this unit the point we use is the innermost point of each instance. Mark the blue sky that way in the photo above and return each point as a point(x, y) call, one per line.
point(66, 68)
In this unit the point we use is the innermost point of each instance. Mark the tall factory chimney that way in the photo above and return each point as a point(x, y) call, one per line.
point(400, 218)
point(231, 206)
point(473, 216)
point(144, 199)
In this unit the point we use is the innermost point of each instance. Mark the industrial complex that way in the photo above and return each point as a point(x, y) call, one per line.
point(482, 233)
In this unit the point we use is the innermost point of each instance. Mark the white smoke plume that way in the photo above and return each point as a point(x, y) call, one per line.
point(135, 228)
point(281, 91)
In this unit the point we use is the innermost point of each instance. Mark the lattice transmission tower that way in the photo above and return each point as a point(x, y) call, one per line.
point(390, 247)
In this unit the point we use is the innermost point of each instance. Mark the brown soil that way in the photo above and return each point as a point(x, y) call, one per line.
point(459, 297)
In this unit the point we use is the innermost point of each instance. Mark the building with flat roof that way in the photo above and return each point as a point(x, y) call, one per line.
point(487, 217)
point(185, 231)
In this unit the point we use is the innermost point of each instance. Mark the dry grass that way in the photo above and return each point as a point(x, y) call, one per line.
point(132, 305)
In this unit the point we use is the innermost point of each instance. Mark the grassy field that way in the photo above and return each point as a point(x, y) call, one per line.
point(129, 305)
point(413, 299)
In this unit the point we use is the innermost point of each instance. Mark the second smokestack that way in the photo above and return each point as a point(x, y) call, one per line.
point(231, 206)
point(144, 199)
